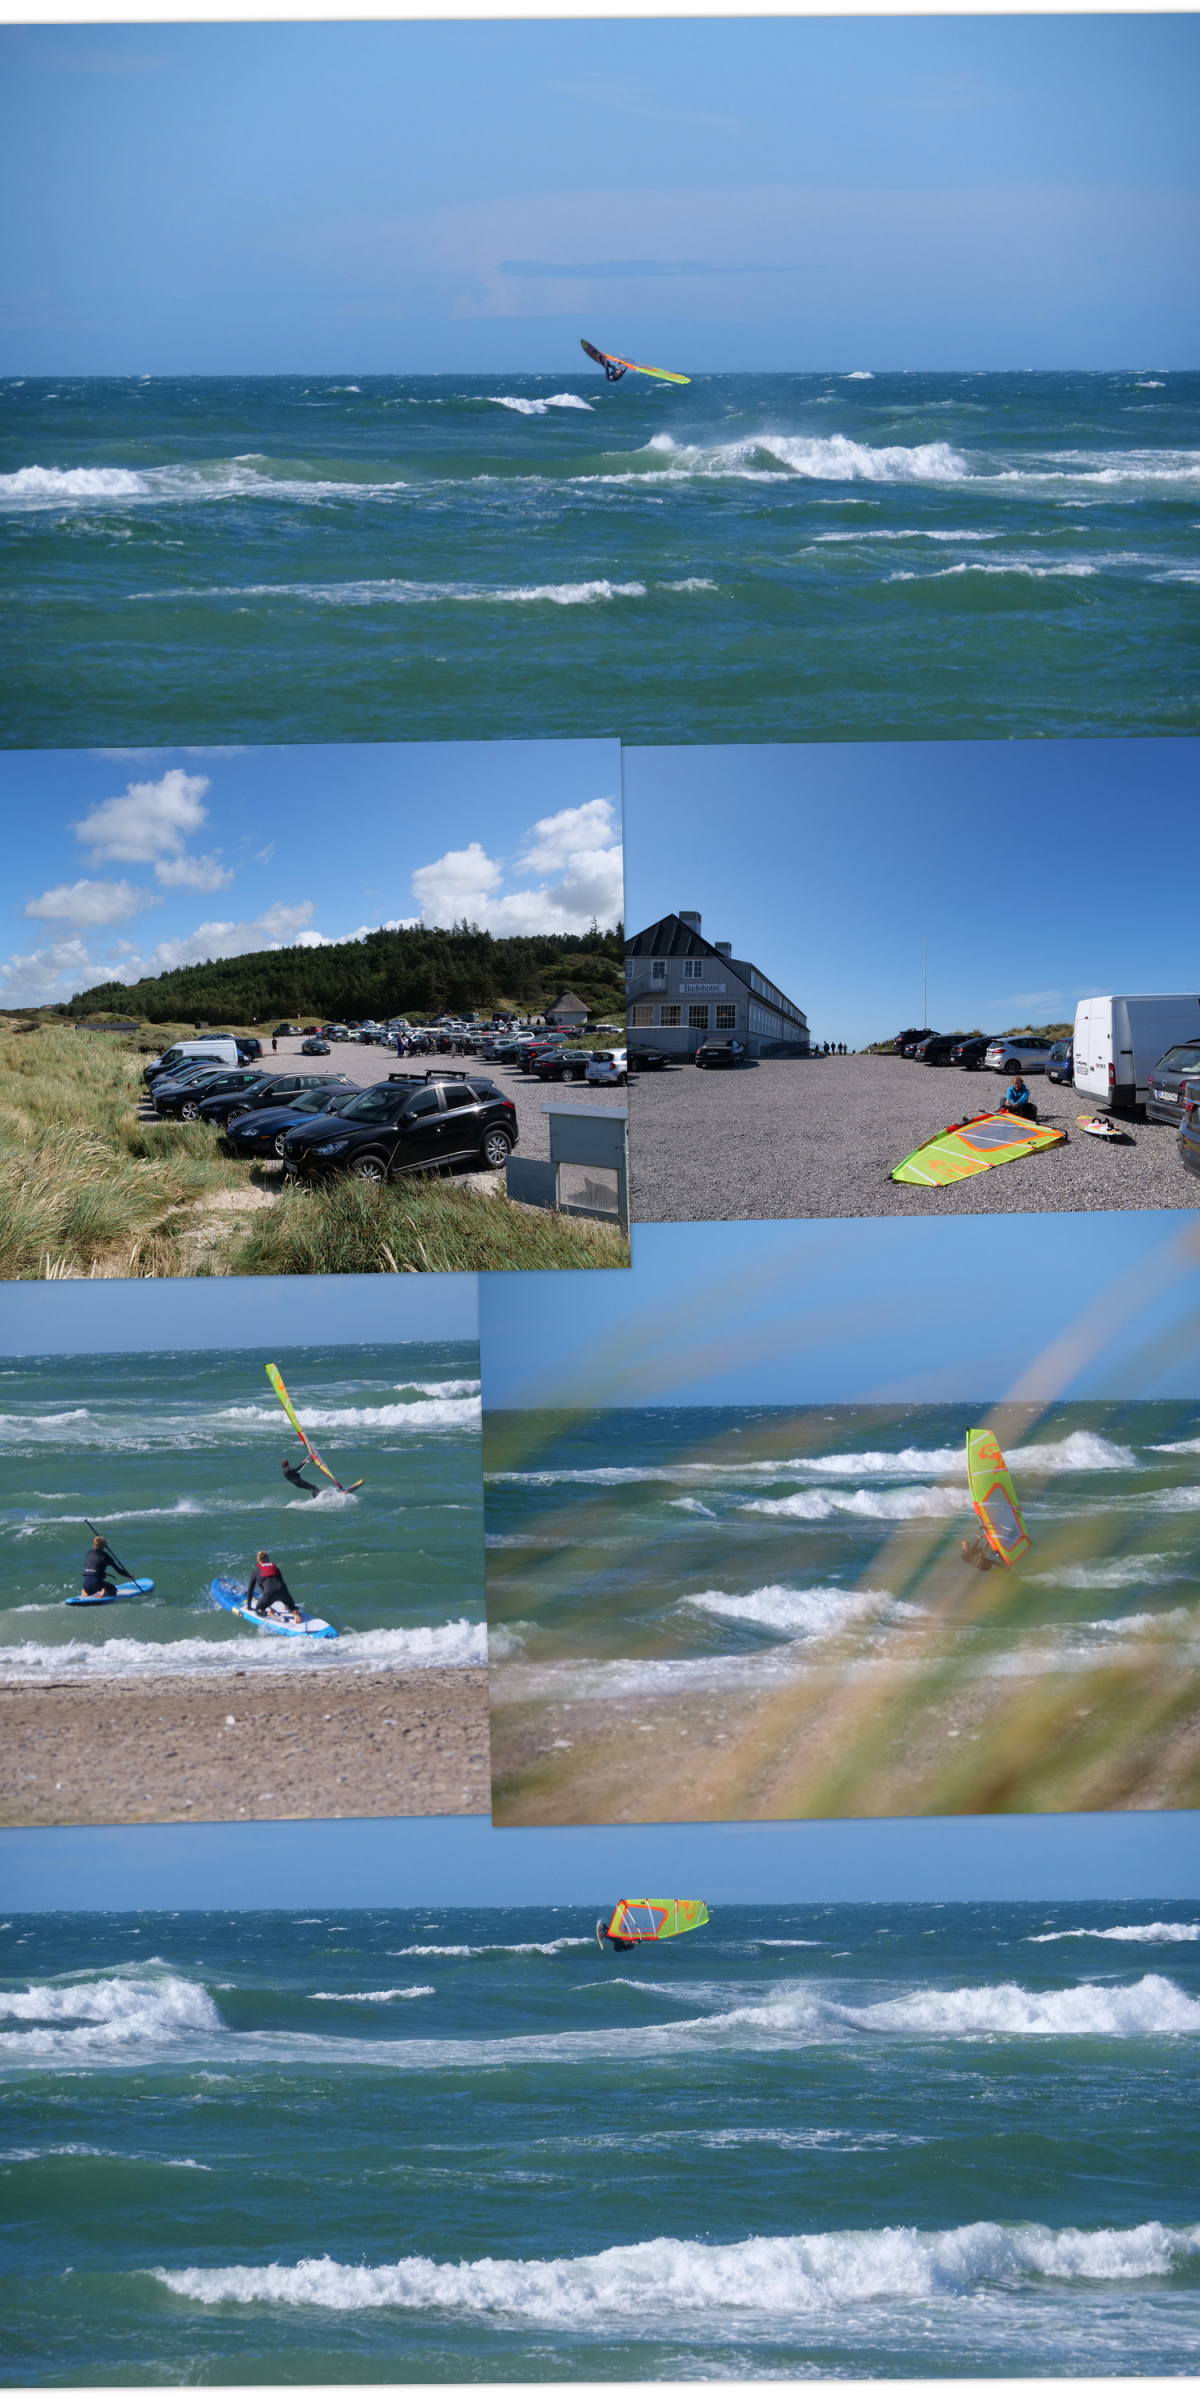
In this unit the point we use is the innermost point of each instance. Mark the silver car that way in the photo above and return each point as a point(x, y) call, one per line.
point(1028, 1051)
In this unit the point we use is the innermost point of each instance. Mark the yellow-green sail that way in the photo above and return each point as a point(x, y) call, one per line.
point(994, 1496)
point(973, 1146)
point(655, 1920)
point(281, 1393)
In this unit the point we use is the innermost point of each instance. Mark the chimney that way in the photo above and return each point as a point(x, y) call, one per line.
point(725, 948)
point(689, 916)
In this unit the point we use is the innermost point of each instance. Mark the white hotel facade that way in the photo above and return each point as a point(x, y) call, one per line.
point(681, 990)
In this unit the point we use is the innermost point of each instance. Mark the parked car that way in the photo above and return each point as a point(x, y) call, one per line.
point(248, 1048)
point(1168, 1081)
point(906, 1042)
point(939, 1049)
point(220, 1107)
point(561, 1066)
point(286, 1029)
point(642, 1062)
point(407, 1126)
point(501, 1054)
point(721, 1054)
point(217, 1052)
point(184, 1099)
point(196, 1073)
point(607, 1066)
point(911, 1047)
point(315, 1047)
point(1189, 1129)
point(972, 1051)
point(260, 1132)
point(1028, 1051)
point(1060, 1066)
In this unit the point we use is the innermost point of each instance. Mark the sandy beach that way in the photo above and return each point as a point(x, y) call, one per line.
point(345, 1743)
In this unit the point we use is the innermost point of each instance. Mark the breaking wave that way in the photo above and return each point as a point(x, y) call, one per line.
point(459, 1644)
point(817, 1504)
point(538, 408)
point(822, 1610)
point(832, 458)
point(780, 2275)
point(411, 1991)
point(1157, 1932)
point(434, 1415)
point(75, 2020)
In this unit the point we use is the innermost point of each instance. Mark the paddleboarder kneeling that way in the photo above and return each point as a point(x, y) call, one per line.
point(99, 1571)
point(274, 1598)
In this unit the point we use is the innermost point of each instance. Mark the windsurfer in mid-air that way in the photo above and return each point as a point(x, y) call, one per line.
point(294, 1476)
point(614, 370)
point(979, 1553)
point(273, 1597)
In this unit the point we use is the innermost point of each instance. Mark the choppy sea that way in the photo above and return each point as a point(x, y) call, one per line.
point(176, 1456)
point(662, 1549)
point(456, 2144)
point(822, 557)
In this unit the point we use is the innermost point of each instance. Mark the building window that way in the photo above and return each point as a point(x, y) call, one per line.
point(643, 1013)
point(658, 970)
point(693, 970)
point(670, 1013)
point(698, 1015)
point(726, 1018)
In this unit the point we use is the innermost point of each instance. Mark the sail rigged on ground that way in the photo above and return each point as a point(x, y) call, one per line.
point(655, 1920)
point(973, 1146)
point(994, 1495)
point(281, 1393)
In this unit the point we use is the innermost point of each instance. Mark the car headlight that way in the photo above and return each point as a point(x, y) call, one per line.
point(331, 1149)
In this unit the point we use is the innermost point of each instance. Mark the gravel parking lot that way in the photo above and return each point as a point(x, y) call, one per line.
point(367, 1064)
point(819, 1138)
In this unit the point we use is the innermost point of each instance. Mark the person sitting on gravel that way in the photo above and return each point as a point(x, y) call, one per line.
point(99, 1571)
point(274, 1598)
point(1018, 1099)
point(294, 1476)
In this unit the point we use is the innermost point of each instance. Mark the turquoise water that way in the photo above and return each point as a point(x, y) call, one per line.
point(176, 1456)
point(670, 1548)
point(755, 556)
point(456, 2145)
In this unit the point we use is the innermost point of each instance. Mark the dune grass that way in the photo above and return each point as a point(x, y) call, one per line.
point(422, 1223)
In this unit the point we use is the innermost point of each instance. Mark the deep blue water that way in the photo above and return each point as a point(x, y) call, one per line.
point(176, 1455)
point(462, 2144)
point(821, 557)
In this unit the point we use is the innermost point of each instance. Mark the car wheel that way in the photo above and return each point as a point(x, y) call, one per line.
point(280, 1139)
point(495, 1149)
point(622, 1079)
point(370, 1169)
point(190, 1111)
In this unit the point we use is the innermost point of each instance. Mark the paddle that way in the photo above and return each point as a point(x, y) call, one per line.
point(121, 1570)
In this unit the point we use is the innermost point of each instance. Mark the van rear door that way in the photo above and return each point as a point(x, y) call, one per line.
point(1093, 1049)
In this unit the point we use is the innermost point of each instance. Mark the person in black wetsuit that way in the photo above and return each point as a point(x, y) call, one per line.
point(603, 1935)
point(294, 1476)
point(272, 1592)
point(99, 1571)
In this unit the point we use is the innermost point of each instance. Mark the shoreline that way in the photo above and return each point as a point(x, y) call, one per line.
point(150, 1749)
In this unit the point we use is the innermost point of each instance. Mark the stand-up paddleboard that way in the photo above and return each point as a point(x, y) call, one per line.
point(1104, 1129)
point(134, 1590)
point(232, 1597)
point(615, 367)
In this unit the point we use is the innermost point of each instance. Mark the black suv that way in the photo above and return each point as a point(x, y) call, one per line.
point(1165, 1102)
point(224, 1101)
point(721, 1054)
point(407, 1125)
point(183, 1099)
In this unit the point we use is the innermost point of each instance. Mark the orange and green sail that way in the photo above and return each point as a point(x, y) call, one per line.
point(614, 367)
point(994, 1496)
point(281, 1393)
point(655, 1920)
point(974, 1146)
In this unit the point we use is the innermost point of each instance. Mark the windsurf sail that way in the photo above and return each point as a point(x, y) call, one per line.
point(654, 1920)
point(615, 367)
point(974, 1146)
point(281, 1393)
point(994, 1496)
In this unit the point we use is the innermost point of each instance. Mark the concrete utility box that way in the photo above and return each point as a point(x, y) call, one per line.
point(587, 1174)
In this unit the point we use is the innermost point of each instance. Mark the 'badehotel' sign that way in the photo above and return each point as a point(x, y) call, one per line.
point(682, 990)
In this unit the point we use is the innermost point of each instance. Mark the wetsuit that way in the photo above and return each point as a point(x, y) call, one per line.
point(271, 1587)
point(99, 1571)
point(1018, 1101)
point(294, 1476)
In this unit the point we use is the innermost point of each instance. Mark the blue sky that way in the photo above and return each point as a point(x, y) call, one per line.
point(1100, 1305)
point(127, 862)
point(42, 1320)
point(462, 1862)
point(937, 192)
point(1038, 870)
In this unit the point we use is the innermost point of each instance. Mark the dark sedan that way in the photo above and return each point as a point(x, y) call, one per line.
point(185, 1099)
point(315, 1047)
point(1189, 1130)
point(561, 1066)
point(1167, 1081)
point(721, 1054)
point(939, 1050)
point(220, 1106)
point(972, 1051)
point(260, 1132)
point(408, 1126)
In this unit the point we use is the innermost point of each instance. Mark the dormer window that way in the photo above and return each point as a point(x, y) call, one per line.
point(693, 970)
point(658, 970)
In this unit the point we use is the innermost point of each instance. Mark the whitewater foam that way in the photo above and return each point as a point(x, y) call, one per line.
point(814, 1505)
point(821, 1610)
point(410, 1991)
point(538, 408)
point(831, 458)
point(72, 2020)
point(461, 1643)
point(1158, 1932)
point(420, 1416)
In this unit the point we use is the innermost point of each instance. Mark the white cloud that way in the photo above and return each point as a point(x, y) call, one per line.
point(579, 847)
point(63, 967)
point(278, 928)
point(149, 820)
point(195, 874)
point(91, 903)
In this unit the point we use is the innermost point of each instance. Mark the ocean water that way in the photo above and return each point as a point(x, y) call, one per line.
point(461, 2144)
point(685, 1548)
point(176, 1456)
point(807, 557)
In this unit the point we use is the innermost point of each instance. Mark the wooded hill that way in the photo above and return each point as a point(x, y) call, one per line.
point(416, 972)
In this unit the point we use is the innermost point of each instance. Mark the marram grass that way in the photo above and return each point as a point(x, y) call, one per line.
point(417, 1225)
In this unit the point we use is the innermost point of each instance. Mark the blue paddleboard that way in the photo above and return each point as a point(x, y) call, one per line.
point(124, 1591)
point(232, 1597)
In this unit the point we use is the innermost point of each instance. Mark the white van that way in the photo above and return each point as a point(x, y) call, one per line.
point(1120, 1038)
point(220, 1048)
